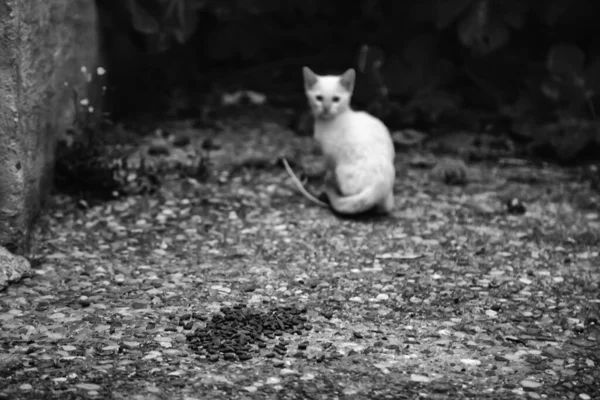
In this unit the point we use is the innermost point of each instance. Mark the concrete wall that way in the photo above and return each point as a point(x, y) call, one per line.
point(43, 46)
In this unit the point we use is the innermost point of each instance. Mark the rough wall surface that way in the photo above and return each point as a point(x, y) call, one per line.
point(44, 44)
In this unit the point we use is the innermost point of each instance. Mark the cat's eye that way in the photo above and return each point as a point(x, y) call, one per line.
point(336, 99)
point(319, 97)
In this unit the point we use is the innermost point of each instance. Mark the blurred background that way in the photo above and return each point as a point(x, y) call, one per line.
point(479, 80)
point(527, 67)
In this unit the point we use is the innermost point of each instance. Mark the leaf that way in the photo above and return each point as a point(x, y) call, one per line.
point(370, 58)
point(142, 21)
point(408, 137)
point(447, 11)
point(187, 20)
point(565, 59)
point(479, 32)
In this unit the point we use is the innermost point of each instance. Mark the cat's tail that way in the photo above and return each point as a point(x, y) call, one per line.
point(371, 197)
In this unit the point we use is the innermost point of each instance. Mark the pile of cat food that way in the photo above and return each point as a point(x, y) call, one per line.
point(240, 333)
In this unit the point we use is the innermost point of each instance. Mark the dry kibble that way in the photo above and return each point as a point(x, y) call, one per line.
point(233, 332)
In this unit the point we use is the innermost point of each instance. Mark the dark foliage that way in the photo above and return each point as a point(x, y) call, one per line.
point(425, 64)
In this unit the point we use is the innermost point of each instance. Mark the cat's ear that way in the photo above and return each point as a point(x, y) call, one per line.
point(347, 79)
point(310, 78)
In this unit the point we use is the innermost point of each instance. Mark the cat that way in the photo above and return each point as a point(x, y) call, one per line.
point(358, 148)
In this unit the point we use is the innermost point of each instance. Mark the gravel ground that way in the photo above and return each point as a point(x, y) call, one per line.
point(238, 288)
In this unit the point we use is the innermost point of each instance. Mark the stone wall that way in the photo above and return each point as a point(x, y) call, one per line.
point(48, 50)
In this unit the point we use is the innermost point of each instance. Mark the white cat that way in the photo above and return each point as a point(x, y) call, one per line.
point(358, 149)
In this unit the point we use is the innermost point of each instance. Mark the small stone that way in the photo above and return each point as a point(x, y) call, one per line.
point(420, 378)
point(491, 313)
point(530, 385)
point(214, 358)
point(287, 371)
point(84, 301)
point(273, 380)
point(250, 389)
point(302, 346)
point(25, 387)
point(139, 306)
point(88, 386)
point(248, 288)
point(382, 297)
point(357, 335)
point(199, 316)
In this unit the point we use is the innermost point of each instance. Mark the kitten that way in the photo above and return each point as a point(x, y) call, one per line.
point(358, 149)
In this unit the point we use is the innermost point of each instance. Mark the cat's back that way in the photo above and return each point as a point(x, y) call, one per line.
point(363, 128)
point(361, 121)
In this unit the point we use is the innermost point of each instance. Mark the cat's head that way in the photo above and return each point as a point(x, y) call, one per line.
point(328, 95)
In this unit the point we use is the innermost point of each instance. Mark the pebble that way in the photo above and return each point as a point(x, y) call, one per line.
point(302, 346)
point(382, 297)
point(420, 378)
point(327, 314)
point(250, 389)
point(25, 386)
point(491, 313)
point(470, 361)
point(84, 301)
point(88, 386)
point(287, 371)
point(307, 377)
point(530, 385)
point(273, 380)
